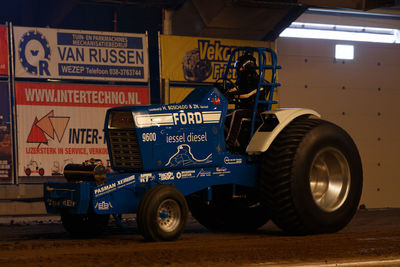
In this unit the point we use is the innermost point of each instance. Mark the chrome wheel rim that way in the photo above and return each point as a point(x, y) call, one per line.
point(330, 179)
point(169, 215)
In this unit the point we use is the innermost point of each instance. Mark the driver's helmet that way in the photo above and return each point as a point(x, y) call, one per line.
point(246, 71)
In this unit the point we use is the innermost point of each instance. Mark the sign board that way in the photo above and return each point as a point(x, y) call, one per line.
point(198, 59)
point(5, 135)
point(83, 55)
point(63, 123)
point(3, 51)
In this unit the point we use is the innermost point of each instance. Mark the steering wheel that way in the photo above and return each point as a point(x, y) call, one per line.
point(224, 85)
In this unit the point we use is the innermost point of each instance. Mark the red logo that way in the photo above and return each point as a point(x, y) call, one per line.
point(216, 101)
point(50, 125)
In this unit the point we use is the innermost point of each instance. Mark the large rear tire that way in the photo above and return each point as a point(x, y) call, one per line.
point(84, 225)
point(312, 177)
point(162, 214)
point(245, 213)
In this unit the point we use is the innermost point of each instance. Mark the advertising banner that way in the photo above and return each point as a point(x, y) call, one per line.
point(63, 123)
point(198, 59)
point(3, 51)
point(83, 55)
point(5, 134)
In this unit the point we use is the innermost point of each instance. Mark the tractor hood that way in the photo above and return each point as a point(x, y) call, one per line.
point(173, 136)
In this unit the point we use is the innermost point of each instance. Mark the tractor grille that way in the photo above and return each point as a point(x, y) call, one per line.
point(125, 149)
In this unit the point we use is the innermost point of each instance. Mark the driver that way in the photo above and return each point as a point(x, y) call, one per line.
point(244, 94)
point(246, 82)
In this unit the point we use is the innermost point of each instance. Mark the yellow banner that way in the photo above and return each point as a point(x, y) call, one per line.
point(198, 59)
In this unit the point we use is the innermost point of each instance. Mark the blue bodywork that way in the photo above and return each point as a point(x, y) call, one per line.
point(178, 144)
point(185, 135)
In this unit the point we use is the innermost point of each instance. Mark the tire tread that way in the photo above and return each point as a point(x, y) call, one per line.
point(276, 173)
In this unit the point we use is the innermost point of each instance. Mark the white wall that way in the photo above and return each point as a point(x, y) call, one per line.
point(362, 96)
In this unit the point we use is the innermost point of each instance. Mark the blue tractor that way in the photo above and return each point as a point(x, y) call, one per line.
point(287, 165)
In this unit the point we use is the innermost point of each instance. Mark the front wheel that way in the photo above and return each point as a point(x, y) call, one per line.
point(312, 177)
point(162, 213)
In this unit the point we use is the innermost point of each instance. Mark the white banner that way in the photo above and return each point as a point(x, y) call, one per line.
point(83, 55)
point(59, 124)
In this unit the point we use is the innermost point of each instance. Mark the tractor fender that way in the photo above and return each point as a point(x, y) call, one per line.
point(274, 122)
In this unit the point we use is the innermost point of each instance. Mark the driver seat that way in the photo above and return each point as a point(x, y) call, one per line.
point(237, 130)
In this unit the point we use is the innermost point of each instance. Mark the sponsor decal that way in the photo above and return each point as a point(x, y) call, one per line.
point(108, 188)
point(105, 189)
point(228, 160)
point(221, 171)
point(79, 95)
point(199, 59)
point(208, 59)
point(166, 176)
point(149, 137)
point(69, 203)
point(186, 138)
point(72, 54)
point(103, 205)
point(146, 177)
point(34, 167)
point(53, 203)
point(178, 118)
point(203, 173)
point(216, 101)
point(58, 203)
point(34, 53)
point(63, 123)
point(187, 118)
point(50, 125)
point(184, 157)
point(126, 181)
point(217, 55)
point(186, 174)
point(177, 107)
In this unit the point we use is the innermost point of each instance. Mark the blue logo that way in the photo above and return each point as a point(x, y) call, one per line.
point(34, 53)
